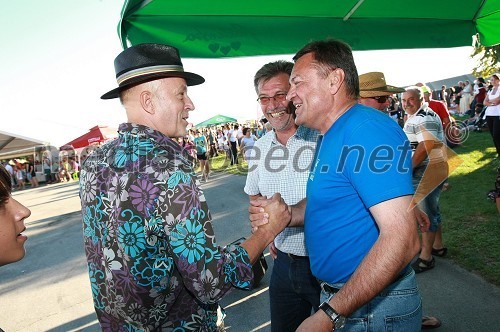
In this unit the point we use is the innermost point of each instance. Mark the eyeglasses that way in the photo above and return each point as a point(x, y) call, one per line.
point(380, 99)
point(279, 97)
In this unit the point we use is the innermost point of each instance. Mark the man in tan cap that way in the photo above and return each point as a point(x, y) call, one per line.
point(374, 91)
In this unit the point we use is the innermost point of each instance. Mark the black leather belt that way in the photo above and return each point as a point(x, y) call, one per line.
point(292, 256)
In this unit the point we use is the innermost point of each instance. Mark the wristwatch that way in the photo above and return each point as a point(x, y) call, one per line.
point(337, 319)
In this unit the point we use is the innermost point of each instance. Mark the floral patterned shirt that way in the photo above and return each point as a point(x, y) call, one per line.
point(153, 260)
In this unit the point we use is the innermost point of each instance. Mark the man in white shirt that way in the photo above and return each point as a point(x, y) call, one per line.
point(280, 162)
point(232, 136)
point(425, 133)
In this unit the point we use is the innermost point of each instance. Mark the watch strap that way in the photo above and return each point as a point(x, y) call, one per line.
point(337, 319)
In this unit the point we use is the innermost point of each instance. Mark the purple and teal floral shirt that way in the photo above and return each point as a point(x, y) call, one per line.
point(153, 260)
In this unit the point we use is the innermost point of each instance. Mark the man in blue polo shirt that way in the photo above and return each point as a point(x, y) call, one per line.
point(359, 229)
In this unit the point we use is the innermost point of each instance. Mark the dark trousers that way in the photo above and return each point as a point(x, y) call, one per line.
point(213, 150)
point(294, 292)
point(493, 123)
point(234, 152)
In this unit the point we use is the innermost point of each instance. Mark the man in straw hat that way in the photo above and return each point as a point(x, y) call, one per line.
point(374, 91)
point(152, 257)
point(359, 230)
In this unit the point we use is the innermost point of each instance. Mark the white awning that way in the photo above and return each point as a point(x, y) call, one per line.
point(13, 145)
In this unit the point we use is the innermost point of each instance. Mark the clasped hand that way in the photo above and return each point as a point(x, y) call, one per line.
point(272, 213)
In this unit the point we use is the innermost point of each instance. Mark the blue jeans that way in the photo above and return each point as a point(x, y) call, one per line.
point(397, 308)
point(294, 292)
point(430, 204)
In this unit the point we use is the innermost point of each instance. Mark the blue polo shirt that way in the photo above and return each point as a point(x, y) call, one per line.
point(362, 160)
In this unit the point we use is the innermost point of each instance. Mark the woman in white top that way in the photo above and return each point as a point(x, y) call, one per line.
point(247, 142)
point(492, 113)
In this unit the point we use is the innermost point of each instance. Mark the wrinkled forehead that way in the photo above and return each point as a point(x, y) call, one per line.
point(303, 64)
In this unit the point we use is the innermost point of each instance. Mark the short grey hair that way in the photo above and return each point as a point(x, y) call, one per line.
point(416, 91)
point(152, 86)
point(270, 70)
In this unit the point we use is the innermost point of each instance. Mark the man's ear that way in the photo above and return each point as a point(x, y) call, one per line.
point(147, 103)
point(335, 80)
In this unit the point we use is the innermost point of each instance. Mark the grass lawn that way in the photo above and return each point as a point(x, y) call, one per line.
point(223, 164)
point(471, 223)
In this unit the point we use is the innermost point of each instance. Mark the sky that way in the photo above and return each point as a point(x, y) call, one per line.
point(57, 60)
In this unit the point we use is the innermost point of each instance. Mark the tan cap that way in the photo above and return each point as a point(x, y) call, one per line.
point(373, 84)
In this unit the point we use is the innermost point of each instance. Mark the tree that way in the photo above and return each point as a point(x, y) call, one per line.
point(488, 59)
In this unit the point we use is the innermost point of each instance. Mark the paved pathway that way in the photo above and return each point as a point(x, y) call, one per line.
point(49, 290)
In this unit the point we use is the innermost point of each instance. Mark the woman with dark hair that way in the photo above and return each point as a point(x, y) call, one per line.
point(247, 143)
point(12, 215)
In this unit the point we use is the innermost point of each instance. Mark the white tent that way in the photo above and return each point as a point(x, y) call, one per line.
point(13, 145)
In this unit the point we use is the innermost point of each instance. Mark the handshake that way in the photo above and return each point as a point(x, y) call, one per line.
point(269, 215)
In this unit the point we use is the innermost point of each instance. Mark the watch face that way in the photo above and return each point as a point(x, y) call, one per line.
point(340, 322)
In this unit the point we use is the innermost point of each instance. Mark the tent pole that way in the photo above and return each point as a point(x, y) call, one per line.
point(356, 6)
point(478, 11)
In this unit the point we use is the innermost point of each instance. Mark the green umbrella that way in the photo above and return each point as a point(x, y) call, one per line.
point(215, 120)
point(221, 28)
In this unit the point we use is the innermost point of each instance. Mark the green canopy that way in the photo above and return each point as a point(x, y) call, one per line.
point(215, 120)
point(222, 28)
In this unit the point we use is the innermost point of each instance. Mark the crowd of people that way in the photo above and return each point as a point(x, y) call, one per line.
point(23, 172)
point(338, 191)
point(232, 140)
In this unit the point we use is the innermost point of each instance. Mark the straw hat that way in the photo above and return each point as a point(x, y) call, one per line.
point(147, 62)
point(373, 84)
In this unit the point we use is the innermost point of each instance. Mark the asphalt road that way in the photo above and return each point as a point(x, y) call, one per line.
point(49, 290)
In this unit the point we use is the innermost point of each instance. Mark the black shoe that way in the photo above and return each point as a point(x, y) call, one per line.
point(421, 265)
point(440, 252)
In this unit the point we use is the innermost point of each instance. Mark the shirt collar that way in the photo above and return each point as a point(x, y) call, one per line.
point(141, 131)
point(300, 133)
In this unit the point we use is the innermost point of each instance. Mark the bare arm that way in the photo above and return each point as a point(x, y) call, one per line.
point(298, 212)
point(395, 247)
point(257, 243)
point(421, 152)
point(491, 101)
point(422, 218)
